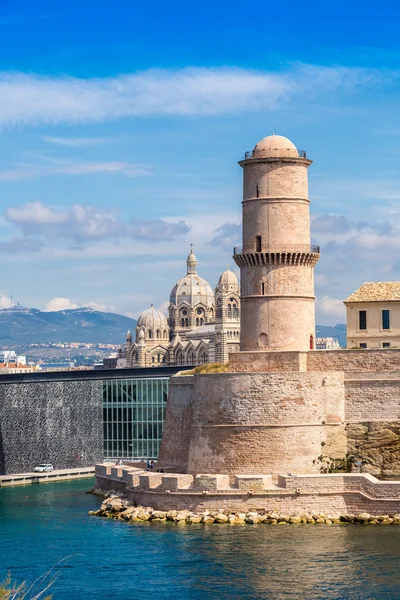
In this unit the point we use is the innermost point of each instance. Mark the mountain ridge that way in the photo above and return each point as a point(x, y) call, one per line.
point(20, 326)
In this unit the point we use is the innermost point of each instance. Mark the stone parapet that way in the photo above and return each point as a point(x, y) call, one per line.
point(253, 482)
point(261, 361)
point(212, 482)
point(293, 494)
point(349, 361)
point(177, 482)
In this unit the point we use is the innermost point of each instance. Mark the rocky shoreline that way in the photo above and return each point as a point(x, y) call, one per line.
point(115, 506)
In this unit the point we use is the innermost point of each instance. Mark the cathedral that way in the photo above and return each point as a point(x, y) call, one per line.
point(202, 326)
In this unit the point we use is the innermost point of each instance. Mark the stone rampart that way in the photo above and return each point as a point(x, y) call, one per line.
point(294, 495)
point(356, 361)
point(253, 423)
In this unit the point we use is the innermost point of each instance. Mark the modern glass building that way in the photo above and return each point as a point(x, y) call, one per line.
point(103, 414)
point(133, 416)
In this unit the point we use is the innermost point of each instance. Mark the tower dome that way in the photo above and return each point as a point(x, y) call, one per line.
point(275, 146)
point(153, 323)
point(228, 278)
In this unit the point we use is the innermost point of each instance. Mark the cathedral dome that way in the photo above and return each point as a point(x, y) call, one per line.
point(152, 319)
point(228, 278)
point(192, 289)
point(275, 146)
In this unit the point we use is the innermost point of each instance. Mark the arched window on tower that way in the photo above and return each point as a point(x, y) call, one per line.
point(186, 322)
point(263, 340)
point(192, 358)
point(197, 322)
point(219, 309)
point(180, 359)
point(229, 311)
point(182, 322)
point(311, 342)
point(204, 358)
point(150, 334)
point(158, 334)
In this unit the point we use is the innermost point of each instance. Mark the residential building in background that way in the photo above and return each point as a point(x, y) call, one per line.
point(327, 343)
point(10, 356)
point(373, 316)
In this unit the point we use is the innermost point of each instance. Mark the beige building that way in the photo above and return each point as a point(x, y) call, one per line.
point(373, 316)
point(203, 325)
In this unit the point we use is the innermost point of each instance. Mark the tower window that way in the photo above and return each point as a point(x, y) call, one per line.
point(386, 345)
point(258, 243)
point(263, 340)
point(263, 288)
point(362, 319)
point(257, 193)
point(385, 319)
point(363, 345)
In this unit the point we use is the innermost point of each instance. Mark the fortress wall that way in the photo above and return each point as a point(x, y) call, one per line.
point(59, 422)
point(267, 361)
point(333, 494)
point(176, 437)
point(354, 360)
point(252, 423)
point(372, 400)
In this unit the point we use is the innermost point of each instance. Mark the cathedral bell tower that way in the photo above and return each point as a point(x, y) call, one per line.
point(276, 260)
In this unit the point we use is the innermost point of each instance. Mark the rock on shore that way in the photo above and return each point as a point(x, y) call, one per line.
point(117, 507)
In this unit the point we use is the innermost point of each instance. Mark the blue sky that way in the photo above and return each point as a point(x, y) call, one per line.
point(121, 125)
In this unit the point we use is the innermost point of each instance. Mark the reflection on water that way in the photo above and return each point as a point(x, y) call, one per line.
point(120, 561)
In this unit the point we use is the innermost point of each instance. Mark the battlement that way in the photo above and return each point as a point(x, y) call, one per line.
point(294, 494)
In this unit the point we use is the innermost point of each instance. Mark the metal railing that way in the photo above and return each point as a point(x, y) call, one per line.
point(250, 154)
point(285, 250)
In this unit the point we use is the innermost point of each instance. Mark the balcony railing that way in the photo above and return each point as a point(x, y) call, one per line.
point(250, 154)
point(285, 250)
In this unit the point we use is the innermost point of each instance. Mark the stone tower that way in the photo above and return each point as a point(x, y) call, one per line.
point(276, 260)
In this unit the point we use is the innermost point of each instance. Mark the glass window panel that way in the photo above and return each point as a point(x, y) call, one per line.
point(385, 319)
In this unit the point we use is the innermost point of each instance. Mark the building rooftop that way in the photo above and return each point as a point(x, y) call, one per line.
point(377, 291)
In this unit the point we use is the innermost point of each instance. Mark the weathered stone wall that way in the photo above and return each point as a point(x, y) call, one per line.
point(356, 361)
point(303, 494)
point(174, 450)
point(259, 423)
point(56, 422)
point(258, 362)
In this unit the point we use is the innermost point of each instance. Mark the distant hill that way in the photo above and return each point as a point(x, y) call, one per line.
point(19, 325)
point(338, 331)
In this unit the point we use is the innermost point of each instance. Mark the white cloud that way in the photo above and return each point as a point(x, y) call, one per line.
point(88, 223)
point(5, 301)
point(102, 307)
point(33, 99)
point(331, 307)
point(78, 168)
point(56, 304)
point(74, 142)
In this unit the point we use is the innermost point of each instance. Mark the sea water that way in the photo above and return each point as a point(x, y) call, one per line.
point(112, 560)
